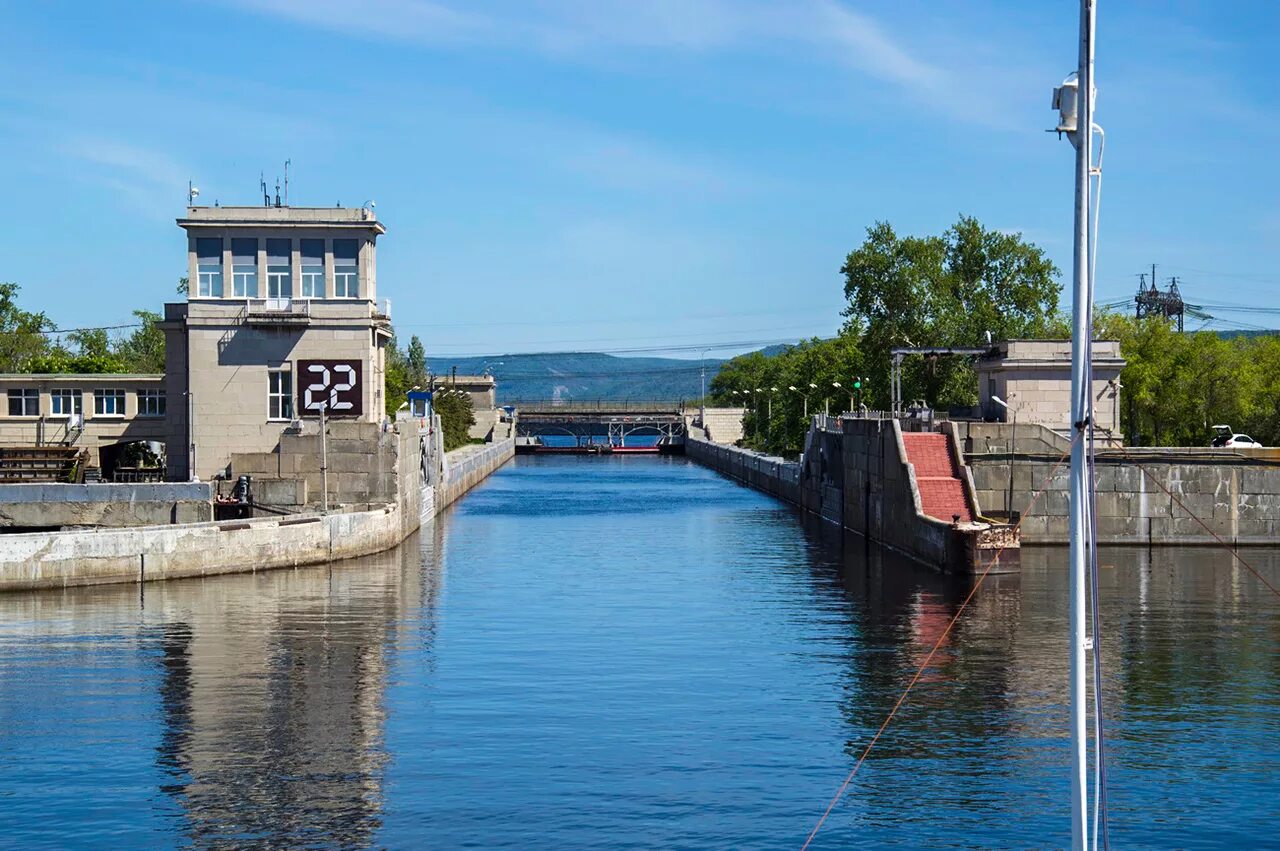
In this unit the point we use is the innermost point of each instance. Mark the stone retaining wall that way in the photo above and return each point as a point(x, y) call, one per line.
point(148, 553)
point(853, 474)
point(100, 556)
point(1235, 493)
point(52, 506)
point(466, 467)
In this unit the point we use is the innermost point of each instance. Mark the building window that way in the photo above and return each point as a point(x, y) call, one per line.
point(279, 268)
point(346, 268)
point(280, 394)
point(65, 403)
point(108, 402)
point(209, 267)
point(151, 403)
point(24, 403)
point(312, 251)
point(244, 268)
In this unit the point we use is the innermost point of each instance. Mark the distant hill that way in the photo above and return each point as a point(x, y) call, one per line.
point(585, 376)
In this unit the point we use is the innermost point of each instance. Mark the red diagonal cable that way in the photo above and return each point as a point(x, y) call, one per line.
point(1204, 525)
point(925, 664)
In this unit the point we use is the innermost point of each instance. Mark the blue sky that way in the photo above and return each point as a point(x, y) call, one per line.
point(565, 174)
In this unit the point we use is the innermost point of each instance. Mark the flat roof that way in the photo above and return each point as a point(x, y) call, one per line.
point(349, 217)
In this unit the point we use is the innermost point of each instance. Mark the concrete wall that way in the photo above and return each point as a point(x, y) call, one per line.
point(720, 425)
point(466, 467)
point(853, 474)
point(51, 506)
point(62, 559)
point(143, 554)
point(1235, 493)
point(363, 459)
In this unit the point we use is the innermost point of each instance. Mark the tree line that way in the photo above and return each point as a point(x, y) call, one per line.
point(31, 343)
point(970, 285)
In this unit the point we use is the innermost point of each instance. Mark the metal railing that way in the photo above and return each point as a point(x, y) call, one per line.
point(282, 308)
point(600, 405)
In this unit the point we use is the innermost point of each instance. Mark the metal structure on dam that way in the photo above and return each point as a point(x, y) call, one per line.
point(600, 426)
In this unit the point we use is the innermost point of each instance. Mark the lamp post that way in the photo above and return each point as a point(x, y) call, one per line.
point(1013, 446)
point(703, 402)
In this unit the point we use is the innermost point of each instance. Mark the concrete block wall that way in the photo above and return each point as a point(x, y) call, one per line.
point(363, 460)
point(53, 506)
point(42, 560)
point(857, 478)
point(1237, 495)
point(466, 467)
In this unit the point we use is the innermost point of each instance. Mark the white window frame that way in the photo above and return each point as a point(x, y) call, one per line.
point(207, 275)
point(280, 393)
point(24, 395)
point(242, 275)
point(346, 282)
point(74, 397)
point(279, 284)
point(313, 281)
point(151, 403)
point(115, 395)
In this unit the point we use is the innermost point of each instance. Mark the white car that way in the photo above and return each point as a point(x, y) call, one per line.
point(1225, 438)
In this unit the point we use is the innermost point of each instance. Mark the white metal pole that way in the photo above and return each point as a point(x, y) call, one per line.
point(1081, 310)
point(324, 462)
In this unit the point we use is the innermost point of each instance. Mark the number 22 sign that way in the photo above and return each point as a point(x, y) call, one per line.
point(335, 384)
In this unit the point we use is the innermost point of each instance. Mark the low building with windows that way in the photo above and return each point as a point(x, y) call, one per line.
point(281, 323)
point(99, 413)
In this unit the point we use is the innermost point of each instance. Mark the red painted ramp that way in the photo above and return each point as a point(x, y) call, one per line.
point(942, 493)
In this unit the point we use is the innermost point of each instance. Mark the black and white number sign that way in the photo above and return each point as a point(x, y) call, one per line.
point(335, 384)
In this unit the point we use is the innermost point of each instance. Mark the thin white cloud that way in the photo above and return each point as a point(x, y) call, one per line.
point(603, 30)
point(149, 180)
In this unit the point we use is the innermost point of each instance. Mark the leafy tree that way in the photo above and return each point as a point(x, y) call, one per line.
point(23, 334)
point(775, 419)
point(948, 290)
point(396, 378)
point(416, 360)
point(456, 418)
point(143, 350)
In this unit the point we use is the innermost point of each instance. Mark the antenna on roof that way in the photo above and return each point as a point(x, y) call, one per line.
point(277, 191)
point(262, 186)
point(192, 192)
point(286, 182)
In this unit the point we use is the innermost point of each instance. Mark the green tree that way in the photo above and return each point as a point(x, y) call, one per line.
point(23, 334)
point(143, 349)
point(945, 291)
point(416, 361)
point(456, 417)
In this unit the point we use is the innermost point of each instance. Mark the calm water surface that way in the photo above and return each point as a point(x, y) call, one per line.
point(630, 653)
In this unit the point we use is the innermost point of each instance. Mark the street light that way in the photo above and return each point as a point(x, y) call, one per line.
point(805, 396)
point(1013, 445)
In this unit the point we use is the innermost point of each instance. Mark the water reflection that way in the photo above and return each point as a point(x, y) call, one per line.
point(269, 689)
point(632, 653)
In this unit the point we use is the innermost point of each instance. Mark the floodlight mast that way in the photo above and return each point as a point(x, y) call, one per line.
point(1081, 136)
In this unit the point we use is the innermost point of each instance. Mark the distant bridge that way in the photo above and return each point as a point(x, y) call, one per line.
point(599, 426)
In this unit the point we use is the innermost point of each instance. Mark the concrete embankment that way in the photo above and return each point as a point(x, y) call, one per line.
point(1234, 493)
point(467, 467)
point(856, 474)
point(53, 505)
point(149, 553)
